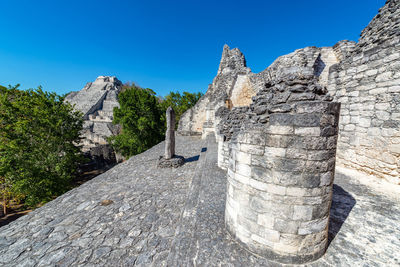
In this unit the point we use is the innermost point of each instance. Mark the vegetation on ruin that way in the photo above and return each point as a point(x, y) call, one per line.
point(38, 155)
point(179, 102)
point(142, 117)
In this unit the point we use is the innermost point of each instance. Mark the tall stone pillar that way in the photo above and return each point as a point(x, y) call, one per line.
point(170, 160)
point(170, 134)
point(280, 179)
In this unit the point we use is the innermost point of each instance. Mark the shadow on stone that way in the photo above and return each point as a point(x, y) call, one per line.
point(191, 159)
point(342, 204)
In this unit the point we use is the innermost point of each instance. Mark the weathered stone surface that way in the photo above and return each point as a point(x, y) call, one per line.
point(175, 217)
point(173, 162)
point(170, 134)
point(123, 217)
point(235, 85)
point(96, 101)
point(364, 83)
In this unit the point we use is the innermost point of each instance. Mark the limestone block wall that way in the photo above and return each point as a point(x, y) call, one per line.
point(223, 153)
point(367, 83)
point(242, 91)
point(280, 178)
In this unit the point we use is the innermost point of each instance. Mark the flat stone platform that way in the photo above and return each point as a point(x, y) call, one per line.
point(138, 214)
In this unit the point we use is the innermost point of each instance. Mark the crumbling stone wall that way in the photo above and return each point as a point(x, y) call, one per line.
point(237, 85)
point(281, 169)
point(367, 83)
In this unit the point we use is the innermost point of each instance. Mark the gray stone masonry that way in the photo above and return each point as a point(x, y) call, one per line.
point(367, 83)
point(170, 160)
point(170, 134)
point(363, 76)
point(235, 84)
point(280, 180)
point(96, 101)
point(138, 215)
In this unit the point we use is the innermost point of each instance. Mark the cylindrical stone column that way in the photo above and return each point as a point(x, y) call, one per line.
point(280, 180)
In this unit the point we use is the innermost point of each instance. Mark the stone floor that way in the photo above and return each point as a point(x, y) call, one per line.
point(138, 214)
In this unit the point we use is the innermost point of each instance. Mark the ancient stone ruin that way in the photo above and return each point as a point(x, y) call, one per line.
point(363, 76)
point(170, 159)
point(280, 171)
point(96, 101)
point(261, 188)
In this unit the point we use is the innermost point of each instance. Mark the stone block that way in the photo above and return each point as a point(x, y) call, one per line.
point(248, 224)
point(259, 205)
point(306, 120)
point(310, 180)
point(286, 226)
point(263, 162)
point(269, 234)
point(282, 119)
point(329, 131)
point(321, 154)
point(326, 178)
point(286, 178)
point(314, 142)
point(384, 76)
point(287, 249)
point(261, 186)
point(314, 107)
point(296, 191)
point(365, 122)
point(308, 131)
point(320, 211)
point(331, 142)
point(243, 178)
point(314, 226)
point(262, 241)
point(276, 189)
point(252, 149)
point(291, 239)
point(296, 153)
point(289, 165)
point(261, 174)
point(309, 242)
point(316, 166)
point(266, 220)
point(243, 157)
point(378, 91)
point(232, 164)
point(274, 152)
point(279, 129)
point(281, 141)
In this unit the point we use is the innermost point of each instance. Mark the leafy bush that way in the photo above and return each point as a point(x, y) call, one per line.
point(180, 103)
point(38, 155)
point(140, 117)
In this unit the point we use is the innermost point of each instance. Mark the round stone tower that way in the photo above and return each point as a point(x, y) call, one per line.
point(280, 183)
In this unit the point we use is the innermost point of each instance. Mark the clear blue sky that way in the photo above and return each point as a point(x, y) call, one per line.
point(163, 45)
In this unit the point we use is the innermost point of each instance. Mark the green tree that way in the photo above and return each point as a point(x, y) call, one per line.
point(38, 155)
point(180, 103)
point(140, 117)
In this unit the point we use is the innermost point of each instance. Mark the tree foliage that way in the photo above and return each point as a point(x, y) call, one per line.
point(38, 155)
point(179, 102)
point(140, 117)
